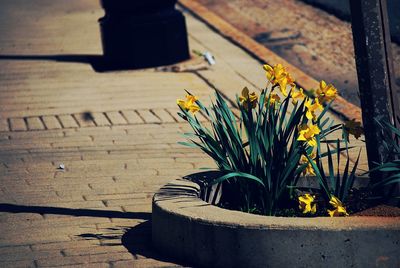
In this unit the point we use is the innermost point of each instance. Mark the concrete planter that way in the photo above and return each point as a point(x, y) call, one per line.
point(187, 228)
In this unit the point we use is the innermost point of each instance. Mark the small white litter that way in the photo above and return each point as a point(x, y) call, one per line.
point(61, 166)
point(209, 57)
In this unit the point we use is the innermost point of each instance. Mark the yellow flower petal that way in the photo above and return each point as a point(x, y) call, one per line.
point(307, 133)
point(331, 213)
point(188, 104)
point(181, 103)
point(314, 209)
point(312, 142)
point(297, 95)
point(312, 107)
point(279, 75)
point(273, 99)
point(326, 93)
point(309, 169)
point(306, 203)
point(269, 71)
point(335, 202)
point(247, 98)
point(245, 92)
point(339, 209)
point(282, 85)
point(193, 108)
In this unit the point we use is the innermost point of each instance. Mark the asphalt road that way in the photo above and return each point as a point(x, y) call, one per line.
point(317, 42)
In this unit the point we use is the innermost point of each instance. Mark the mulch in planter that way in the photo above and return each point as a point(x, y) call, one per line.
point(380, 210)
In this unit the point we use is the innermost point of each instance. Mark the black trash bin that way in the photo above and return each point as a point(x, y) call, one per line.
point(140, 34)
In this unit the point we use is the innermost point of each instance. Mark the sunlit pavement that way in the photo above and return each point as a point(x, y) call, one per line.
point(82, 152)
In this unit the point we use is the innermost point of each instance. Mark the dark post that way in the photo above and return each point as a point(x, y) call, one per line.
point(143, 33)
point(378, 96)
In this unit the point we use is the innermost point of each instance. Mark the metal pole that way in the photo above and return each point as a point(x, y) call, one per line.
point(378, 95)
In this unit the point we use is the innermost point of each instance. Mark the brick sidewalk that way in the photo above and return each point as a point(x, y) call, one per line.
point(114, 132)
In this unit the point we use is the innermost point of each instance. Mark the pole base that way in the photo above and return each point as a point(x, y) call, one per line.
point(141, 41)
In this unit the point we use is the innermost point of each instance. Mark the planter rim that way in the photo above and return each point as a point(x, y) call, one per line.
point(181, 198)
point(191, 230)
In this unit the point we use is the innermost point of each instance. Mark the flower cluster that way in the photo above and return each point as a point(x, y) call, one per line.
point(307, 205)
point(270, 132)
point(278, 75)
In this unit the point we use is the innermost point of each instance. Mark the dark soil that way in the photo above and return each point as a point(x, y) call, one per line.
point(380, 210)
point(361, 202)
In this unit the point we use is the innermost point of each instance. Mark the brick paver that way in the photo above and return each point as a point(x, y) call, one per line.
point(100, 119)
point(116, 118)
point(132, 117)
point(148, 116)
point(82, 153)
point(18, 124)
point(3, 125)
point(67, 120)
point(34, 123)
point(51, 122)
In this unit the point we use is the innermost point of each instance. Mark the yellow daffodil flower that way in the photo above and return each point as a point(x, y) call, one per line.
point(326, 93)
point(339, 209)
point(247, 98)
point(274, 73)
point(306, 204)
point(285, 80)
point(189, 104)
point(297, 95)
point(279, 75)
point(274, 98)
point(309, 169)
point(307, 133)
point(311, 108)
point(353, 127)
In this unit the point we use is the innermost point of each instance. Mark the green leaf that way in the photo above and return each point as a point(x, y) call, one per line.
point(239, 175)
point(319, 176)
point(326, 108)
point(350, 181)
point(330, 165)
point(188, 144)
point(389, 169)
point(390, 180)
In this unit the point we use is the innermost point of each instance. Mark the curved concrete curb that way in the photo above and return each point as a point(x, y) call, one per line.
point(263, 54)
point(192, 230)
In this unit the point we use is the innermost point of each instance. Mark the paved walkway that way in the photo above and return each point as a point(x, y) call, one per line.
point(114, 132)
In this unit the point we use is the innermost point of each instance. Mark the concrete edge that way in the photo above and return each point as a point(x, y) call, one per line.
point(187, 228)
point(340, 106)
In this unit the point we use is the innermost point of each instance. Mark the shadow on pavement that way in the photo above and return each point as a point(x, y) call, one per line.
point(106, 239)
point(98, 62)
point(138, 242)
point(137, 239)
point(12, 208)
